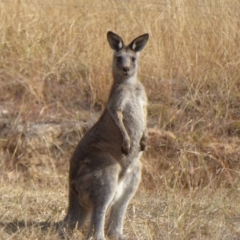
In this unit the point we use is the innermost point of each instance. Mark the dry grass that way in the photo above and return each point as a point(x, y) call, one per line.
point(29, 211)
point(55, 75)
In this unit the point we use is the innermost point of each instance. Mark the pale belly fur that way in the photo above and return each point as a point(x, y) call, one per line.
point(123, 183)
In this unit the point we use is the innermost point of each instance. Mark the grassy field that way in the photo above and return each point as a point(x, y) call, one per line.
point(55, 76)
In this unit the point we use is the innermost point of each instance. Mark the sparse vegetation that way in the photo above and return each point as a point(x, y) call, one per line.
point(54, 81)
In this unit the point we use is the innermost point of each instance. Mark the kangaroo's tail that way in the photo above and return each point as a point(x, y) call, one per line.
point(75, 218)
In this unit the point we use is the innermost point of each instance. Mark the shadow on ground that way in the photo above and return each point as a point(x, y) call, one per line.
point(16, 227)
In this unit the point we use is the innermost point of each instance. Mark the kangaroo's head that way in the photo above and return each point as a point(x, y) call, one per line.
point(125, 57)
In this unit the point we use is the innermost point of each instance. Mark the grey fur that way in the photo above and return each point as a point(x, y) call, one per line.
point(105, 168)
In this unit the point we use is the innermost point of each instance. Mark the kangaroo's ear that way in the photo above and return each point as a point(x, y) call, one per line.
point(138, 43)
point(115, 42)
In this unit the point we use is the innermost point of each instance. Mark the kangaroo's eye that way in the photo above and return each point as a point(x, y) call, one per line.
point(133, 59)
point(119, 59)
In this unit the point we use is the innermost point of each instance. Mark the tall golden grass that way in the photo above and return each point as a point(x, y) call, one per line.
point(192, 43)
point(55, 63)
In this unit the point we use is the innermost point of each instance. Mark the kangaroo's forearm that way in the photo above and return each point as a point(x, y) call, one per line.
point(118, 119)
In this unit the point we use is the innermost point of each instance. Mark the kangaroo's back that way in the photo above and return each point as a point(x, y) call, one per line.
point(103, 136)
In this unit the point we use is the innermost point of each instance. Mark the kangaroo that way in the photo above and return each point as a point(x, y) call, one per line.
point(105, 168)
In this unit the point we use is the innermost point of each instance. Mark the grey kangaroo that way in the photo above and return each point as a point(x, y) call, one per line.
point(105, 168)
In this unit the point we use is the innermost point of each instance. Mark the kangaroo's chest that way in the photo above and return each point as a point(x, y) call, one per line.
point(140, 97)
point(136, 105)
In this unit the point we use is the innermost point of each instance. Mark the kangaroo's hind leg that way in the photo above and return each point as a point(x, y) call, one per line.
point(96, 185)
point(130, 184)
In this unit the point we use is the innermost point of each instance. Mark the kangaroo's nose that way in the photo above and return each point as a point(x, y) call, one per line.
point(125, 69)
